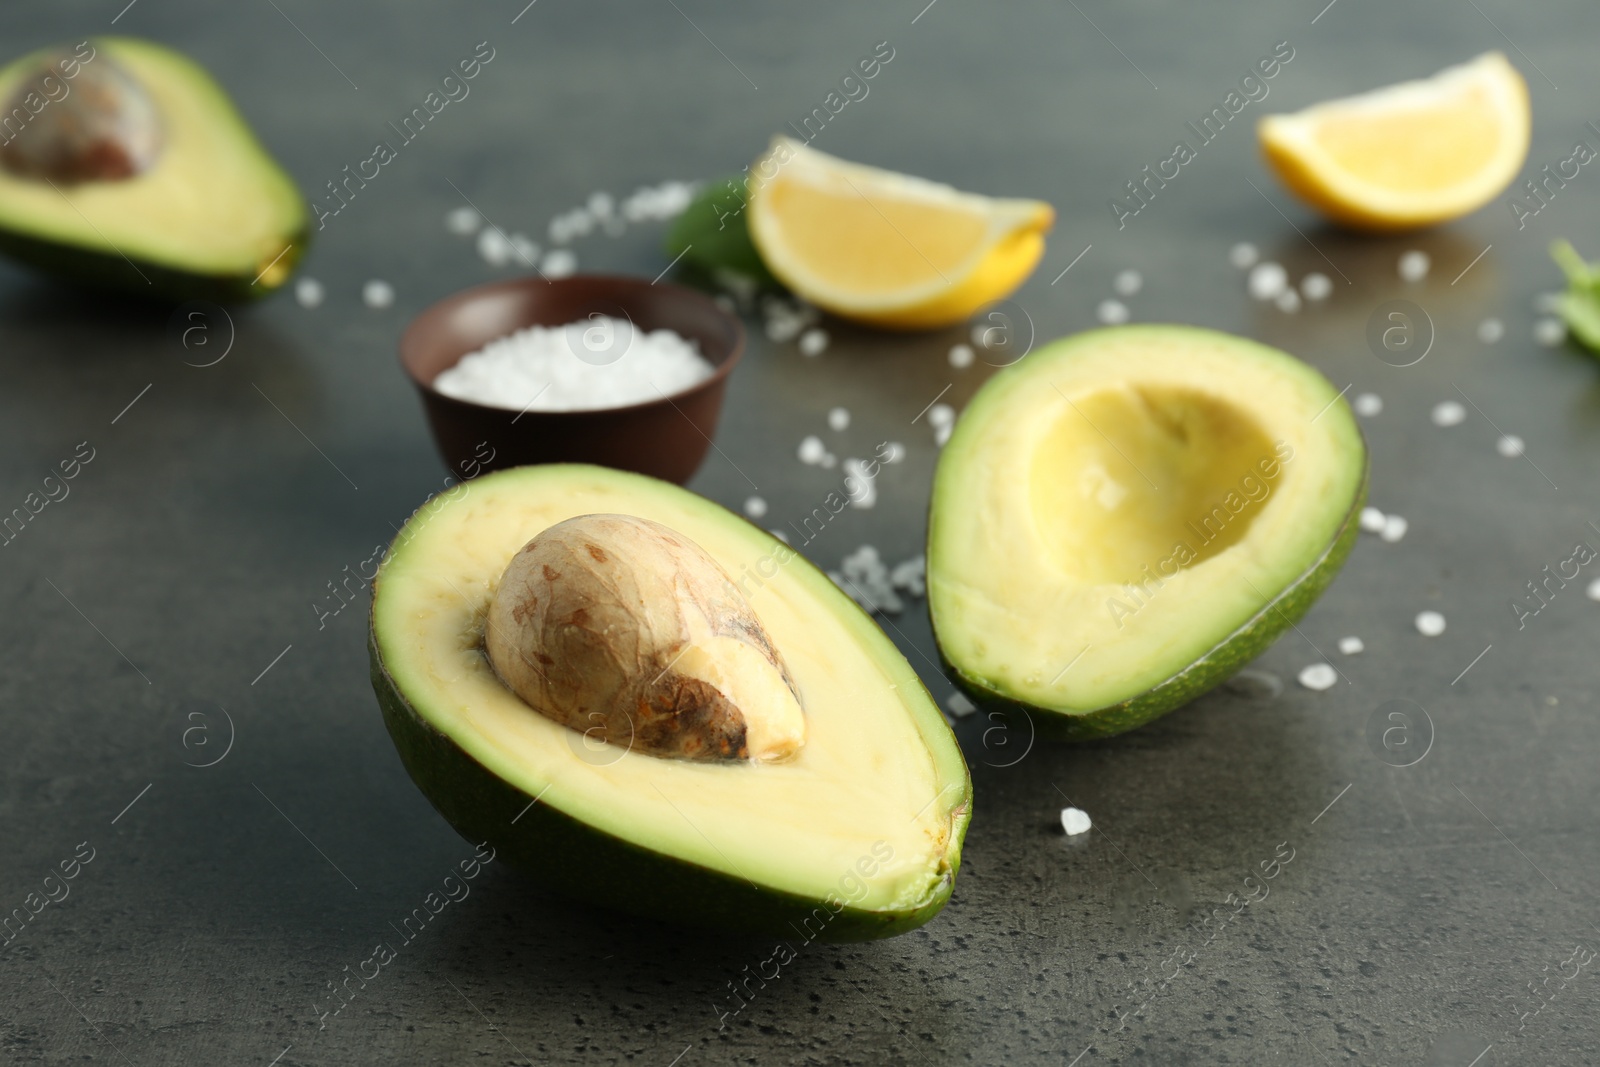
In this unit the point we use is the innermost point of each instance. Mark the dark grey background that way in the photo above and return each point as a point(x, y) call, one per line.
point(1418, 909)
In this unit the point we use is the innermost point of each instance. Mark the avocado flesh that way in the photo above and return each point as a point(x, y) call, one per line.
point(1124, 518)
point(211, 218)
point(746, 845)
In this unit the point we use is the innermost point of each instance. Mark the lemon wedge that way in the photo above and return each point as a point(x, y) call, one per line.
point(1408, 155)
point(885, 248)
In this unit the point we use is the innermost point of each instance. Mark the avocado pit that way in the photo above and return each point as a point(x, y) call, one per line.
point(627, 631)
point(101, 125)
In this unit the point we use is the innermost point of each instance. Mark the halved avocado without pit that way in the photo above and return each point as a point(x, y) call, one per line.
point(124, 165)
point(670, 625)
point(1124, 518)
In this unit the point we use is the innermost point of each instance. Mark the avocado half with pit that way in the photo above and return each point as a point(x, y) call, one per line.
point(124, 165)
point(1126, 517)
point(646, 702)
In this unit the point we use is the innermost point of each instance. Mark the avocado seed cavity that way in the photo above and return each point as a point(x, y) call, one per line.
point(627, 631)
point(98, 125)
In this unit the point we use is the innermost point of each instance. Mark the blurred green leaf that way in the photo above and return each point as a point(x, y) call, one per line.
point(712, 233)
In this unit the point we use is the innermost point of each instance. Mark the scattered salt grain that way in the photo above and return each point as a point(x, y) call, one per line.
point(1430, 624)
point(494, 247)
point(1316, 286)
point(1288, 301)
point(1369, 404)
point(1128, 283)
point(941, 415)
point(1510, 446)
point(961, 356)
point(780, 535)
point(812, 342)
point(1372, 520)
point(1075, 821)
point(1267, 280)
point(1112, 312)
point(1448, 413)
point(867, 581)
point(941, 434)
point(1243, 255)
point(1394, 528)
point(377, 294)
point(463, 221)
point(755, 507)
point(893, 452)
point(1491, 330)
point(600, 205)
point(839, 419)
point(592, 364)
point(558, 263)
point(308, 292)
point(859, 484)
point(910, 575)
point(812, 450)
point(783, 328)
point(959, 705)
point(1549, 332)
point(1414, 265)
point(1318, 676)
point(1351, 646)
point(1594, 590)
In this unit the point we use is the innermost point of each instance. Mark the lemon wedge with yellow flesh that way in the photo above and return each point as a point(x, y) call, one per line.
point(885, 248)
point(1408, 155)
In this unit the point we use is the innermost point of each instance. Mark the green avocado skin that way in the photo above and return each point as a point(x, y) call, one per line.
point(594, 867)
point(1206, 673)
point(108, 270)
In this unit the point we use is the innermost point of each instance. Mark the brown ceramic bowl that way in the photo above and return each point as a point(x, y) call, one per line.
point(667, 437)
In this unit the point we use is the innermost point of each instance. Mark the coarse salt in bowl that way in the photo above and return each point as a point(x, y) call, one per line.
point(598, 412)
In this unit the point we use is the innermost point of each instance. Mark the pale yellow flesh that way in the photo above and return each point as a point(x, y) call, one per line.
point(863, 775)
point(775, 724)
point(213, 202)
point(1080, 473)
point(884, 247)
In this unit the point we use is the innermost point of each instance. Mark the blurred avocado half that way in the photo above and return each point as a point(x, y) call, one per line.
point(124, 165)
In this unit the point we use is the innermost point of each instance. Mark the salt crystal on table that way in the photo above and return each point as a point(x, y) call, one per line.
point(308, 292)
point(1075, 821)
point(1414, 265)
point(1372, 519)
point(961, 356)
point(1350, 646)
point(1319, 676)
point(1394, 528)
point(812, 450)
point(1448, 413)
point(1316, 286)
point(1369, 404)
point(377, 294)
point(1243, 255)
point(463, 221)
point(1112, 312)
point(1128, 283)
point(812, 342)
point(839, 419)
point(1430, 624)
point(1267, 280)
point(755, 507)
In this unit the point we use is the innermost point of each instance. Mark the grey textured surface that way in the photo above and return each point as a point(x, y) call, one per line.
point(1422, 910)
